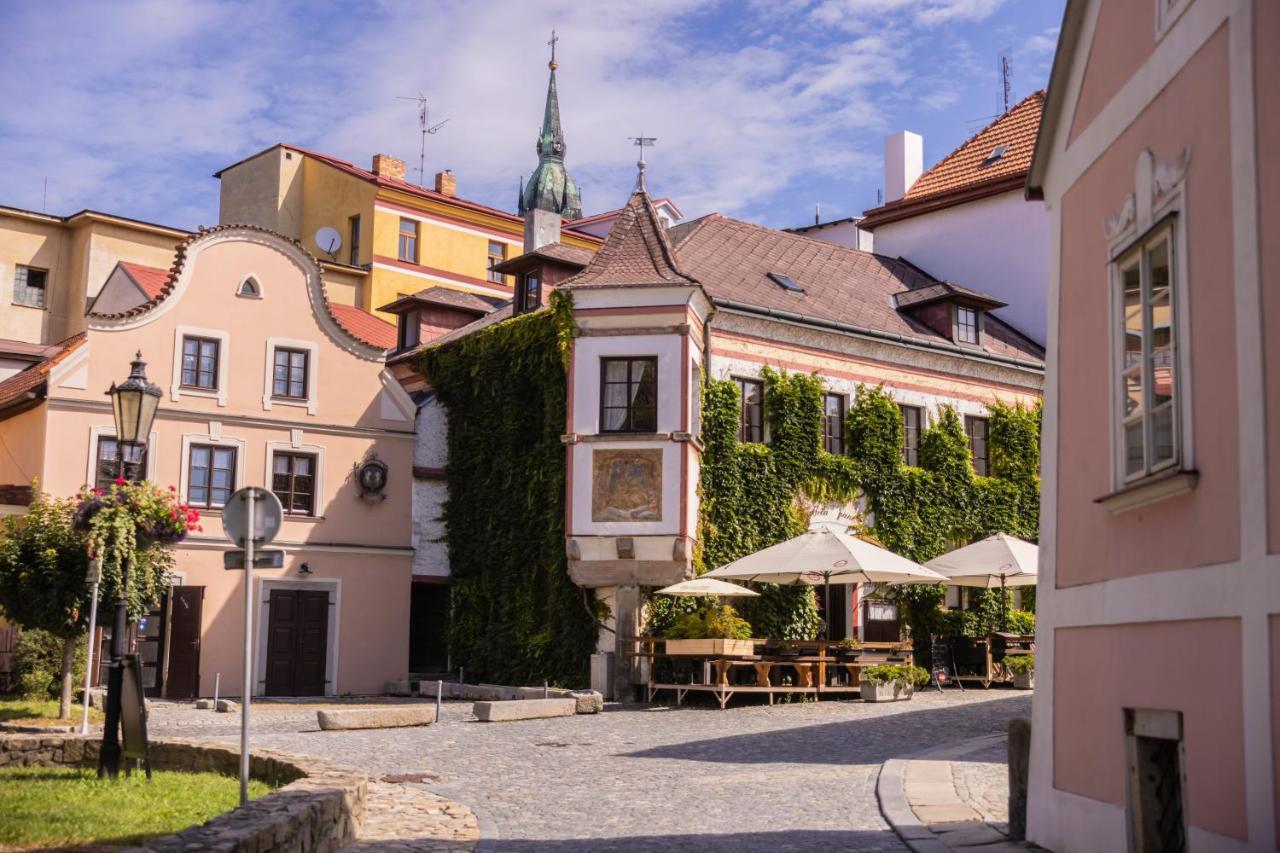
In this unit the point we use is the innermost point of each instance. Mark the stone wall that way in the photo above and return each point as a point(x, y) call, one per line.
point(319, 807)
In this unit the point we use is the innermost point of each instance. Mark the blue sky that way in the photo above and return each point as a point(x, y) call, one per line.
point(762, 108)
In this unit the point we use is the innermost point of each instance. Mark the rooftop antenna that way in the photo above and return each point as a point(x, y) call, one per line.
point(817, 213)
point(427, 129)
point(879, 197)
point(1006, 78)
point(642, 141)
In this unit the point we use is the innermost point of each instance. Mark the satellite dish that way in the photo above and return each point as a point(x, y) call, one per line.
point(329, 240)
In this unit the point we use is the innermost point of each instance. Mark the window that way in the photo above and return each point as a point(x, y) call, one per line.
point(290, 377)
point(408, 330)
point(629, 394)
point(529, 296)
point(211, 475)
point(751, 422)
point(29, 285)
point(912, 418)
point(1147, 382)
point(408, 241)
point(785, 282)
point(966, 325)
point(976, 429)
point(200, 363)
point(249, 289)
point(833, 423)
point(1154, 743)
point(497, 254)
point(107, 467)
point(353, 229)
point(293, 481)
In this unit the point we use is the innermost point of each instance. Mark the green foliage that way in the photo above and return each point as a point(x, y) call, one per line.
point(848, 644)
point(42, 569)
point(1020, 664)
point(37, 661)
point(1022, 622)
point(883, 674)
point(918, 675)
point(517, 617)
point(712, 622)
point(750, 492)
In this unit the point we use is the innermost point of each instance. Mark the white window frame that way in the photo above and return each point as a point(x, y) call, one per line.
point(265, 586)
point(213, 438)
point(313, 370)
point(109, 431)
point(176, 389)
point(295, 445)
point(257, 285)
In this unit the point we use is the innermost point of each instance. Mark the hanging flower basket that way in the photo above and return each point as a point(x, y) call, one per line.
point(154, 514)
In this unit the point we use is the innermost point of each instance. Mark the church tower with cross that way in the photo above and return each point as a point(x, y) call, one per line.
point(550, 188)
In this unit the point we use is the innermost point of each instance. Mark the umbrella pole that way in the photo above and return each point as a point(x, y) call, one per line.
point(1004, 607)
point(826, 612)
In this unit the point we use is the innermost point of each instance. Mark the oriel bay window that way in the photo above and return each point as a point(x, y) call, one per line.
point(199, 363)
point(833, 423)
point(629, 394)
point(1147, 382)
point(107, 465)
point(751, 419)
point(293, 478)
point(211, 475)
point(289, 379)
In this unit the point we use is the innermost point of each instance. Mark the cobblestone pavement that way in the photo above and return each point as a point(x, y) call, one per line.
point(404, 816)
point(797, 777)
point(982, 780)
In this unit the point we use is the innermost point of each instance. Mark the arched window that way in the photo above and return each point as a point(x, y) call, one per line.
point(249, 289)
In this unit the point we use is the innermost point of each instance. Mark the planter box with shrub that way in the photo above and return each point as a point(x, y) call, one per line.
point(710, 647)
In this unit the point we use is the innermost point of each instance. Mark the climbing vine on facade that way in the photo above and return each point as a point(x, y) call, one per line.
point(517, 618)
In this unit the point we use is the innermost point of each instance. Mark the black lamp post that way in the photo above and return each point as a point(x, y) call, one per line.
point(133, 402)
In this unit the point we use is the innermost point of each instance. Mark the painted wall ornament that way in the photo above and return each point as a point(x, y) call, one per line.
point(626, 485)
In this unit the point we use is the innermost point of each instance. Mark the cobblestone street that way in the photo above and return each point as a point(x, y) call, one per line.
point(758, 778)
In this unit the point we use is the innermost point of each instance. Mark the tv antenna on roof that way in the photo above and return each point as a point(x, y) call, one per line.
point(427, 129)
point(642, 141)
point(1006, 78)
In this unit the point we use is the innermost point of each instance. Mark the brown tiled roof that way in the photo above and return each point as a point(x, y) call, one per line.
point(151, 279)
point(30, 385)
point(637, 252)
point(943, 290)
point(732, 261)
point(363, 326)
point(596, 217)
point(446, 296)
point(969, 171)
point(557, 252)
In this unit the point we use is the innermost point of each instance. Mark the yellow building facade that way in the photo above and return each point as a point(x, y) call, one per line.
point(390, 237)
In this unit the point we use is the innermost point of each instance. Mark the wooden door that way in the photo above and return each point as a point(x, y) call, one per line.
point(428, 620)
point(880, 622)
point(297, 639)
point(182, 680)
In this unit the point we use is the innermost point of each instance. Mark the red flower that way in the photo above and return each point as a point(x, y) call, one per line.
point(120, 481)
point(173, 488)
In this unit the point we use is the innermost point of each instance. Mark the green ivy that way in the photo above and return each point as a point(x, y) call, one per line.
point(750, 491)
point(517, 618)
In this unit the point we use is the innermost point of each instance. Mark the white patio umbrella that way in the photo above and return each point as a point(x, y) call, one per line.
point(996, 562)
point(824, 554)
point(707, 586)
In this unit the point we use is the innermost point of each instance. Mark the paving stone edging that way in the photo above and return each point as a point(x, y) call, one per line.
point(891, 794)
point(320, 806)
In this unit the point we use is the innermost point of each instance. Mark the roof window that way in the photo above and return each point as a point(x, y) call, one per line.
point(785, 282)
point(996, 154)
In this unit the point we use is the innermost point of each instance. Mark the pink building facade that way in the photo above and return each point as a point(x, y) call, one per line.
point(1156, 724)
point(264, 383)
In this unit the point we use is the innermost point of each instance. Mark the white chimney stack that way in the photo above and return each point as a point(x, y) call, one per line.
point(903, 163)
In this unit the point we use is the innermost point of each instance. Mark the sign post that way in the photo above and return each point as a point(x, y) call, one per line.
point(251, 517)
point(94, 577)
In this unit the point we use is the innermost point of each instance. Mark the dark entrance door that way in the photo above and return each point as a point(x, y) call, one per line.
point(880, 622)
point(297, 636)
point(838, 619)
point(428, 618)
point(183, 678)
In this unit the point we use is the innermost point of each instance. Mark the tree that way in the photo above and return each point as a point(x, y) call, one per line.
point(42, 577)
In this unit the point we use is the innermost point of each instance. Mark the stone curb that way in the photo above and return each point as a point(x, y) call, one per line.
point(891, 793)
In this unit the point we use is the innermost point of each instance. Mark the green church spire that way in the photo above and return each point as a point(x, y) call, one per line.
point(550, 187)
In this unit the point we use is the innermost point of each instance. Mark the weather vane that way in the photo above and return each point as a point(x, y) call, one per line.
point(642, 141)
point(554, 38)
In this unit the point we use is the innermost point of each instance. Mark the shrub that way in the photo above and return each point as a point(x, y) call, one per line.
point(1022, 622)
point(1020, 664)
point(883, 674)
point(848, 644)
point(716, 622)
point(37, 663)
point(918, 675)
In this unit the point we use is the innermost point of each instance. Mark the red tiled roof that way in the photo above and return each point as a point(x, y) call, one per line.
point(448, 297)
point(733, 259)
point(637, 252)
point(29, 385)
point(596, 217)
point(558, 252)
point(151, 279)
point(363, 326)
point(969, 171)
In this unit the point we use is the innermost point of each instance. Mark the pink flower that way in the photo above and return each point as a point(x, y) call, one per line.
point(173, 488)
point(120, 481)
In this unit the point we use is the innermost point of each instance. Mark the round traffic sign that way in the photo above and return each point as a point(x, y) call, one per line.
point(267, 515)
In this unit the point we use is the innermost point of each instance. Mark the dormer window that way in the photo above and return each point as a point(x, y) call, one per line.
point(996, 154)
point(249, 289)
point(408, 330)
point(529, 293)
point(966, 325)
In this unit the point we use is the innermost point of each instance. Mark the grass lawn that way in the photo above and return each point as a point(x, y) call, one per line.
point(52, 807)
point(41, 712)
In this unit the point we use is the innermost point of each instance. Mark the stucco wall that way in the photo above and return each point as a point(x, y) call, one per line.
point(22, 446)
point(1125, 37)
point(1267, 67)
point(29, 243)
point(997, 245)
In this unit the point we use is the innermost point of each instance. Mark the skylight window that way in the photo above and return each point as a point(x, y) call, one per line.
point(996, 154)
point(786, 282)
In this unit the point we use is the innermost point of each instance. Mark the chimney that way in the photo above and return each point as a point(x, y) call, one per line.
point(540, 228)
point(903, 163)
point(446, 183)
point(386, 166)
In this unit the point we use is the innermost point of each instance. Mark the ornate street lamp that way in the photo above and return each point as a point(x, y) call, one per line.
point(134, 403)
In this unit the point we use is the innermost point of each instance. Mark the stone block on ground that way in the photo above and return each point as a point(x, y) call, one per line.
point(588, 701)
point(226, 706)
point(524, 709)
point(480, 692)
point(393, 717)
point(204, 704)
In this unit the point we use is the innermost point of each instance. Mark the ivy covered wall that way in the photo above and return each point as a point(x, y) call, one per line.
point(517, 617)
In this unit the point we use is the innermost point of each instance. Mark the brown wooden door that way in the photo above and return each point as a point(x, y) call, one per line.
point(297, 637)
point(183, 678)
point(880, 622)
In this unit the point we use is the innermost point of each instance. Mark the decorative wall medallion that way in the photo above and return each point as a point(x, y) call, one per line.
point(372, 479)
point(626, 485)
